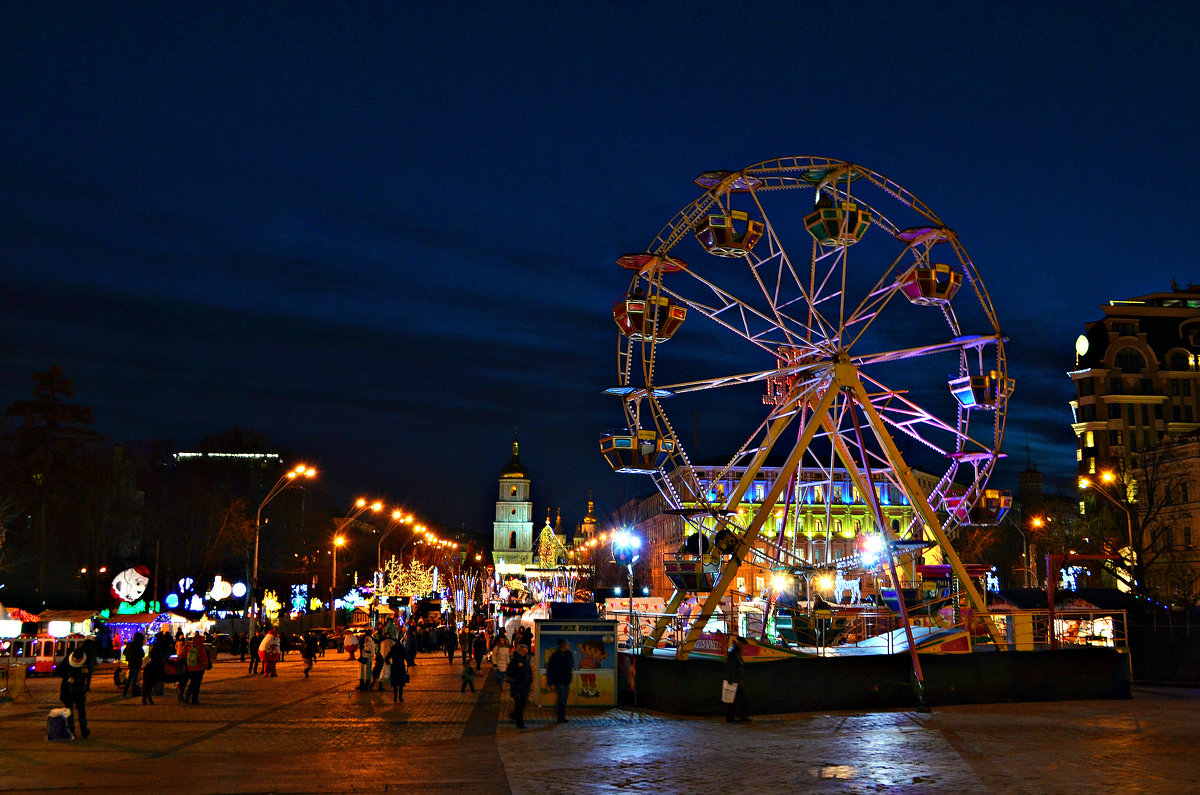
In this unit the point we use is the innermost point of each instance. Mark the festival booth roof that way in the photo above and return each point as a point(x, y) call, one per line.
point(74, 616)
point(1008, 600)
point(133, 618)
point(16, 614)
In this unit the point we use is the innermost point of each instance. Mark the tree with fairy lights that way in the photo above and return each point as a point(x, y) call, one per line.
point(550, 549)
point(390, 578)
point(415, 580)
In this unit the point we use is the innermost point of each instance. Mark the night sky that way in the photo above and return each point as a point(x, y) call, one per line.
point(383, 234)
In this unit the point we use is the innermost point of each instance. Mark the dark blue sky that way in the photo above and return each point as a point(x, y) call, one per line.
point(383, 234)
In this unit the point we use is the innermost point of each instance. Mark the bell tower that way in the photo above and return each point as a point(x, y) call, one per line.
point(512, 539)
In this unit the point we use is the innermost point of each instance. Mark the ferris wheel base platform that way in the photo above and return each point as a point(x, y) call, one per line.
point(877, 681)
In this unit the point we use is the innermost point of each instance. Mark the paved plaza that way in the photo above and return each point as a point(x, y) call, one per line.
point(292, 734)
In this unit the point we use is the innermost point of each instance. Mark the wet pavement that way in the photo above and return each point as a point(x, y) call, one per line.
point(291, 734)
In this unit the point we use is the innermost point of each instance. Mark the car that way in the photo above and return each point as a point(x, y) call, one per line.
point(326, 637)
point(290, 641)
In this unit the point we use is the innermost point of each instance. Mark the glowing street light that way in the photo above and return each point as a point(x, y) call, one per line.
point(398, 519)
point(626, 549)
point(1108, 477)
point(338, 541)
point(295, 475)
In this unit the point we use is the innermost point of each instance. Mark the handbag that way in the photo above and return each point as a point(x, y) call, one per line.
point(728, 691)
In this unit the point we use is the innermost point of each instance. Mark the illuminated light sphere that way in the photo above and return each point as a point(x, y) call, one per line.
point(220, 588)
point(239, 589)
point(172, 600)
point(129, 585)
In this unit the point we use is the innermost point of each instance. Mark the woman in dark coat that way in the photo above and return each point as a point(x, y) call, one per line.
point(73, 692)
point(397, 658)
point(735, 674)
point(135, 652)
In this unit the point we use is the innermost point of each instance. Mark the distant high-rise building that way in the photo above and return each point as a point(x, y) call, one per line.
point(1136, 377)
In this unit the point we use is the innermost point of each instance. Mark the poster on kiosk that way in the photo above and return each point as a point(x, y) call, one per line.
point(593, 645)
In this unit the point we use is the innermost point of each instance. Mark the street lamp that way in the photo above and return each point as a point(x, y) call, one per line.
point(361, 506)
point(398, 518)
point(337, 542)
point(293, 476)
point(418, 530)
point(1109, 477)
point(626, 549)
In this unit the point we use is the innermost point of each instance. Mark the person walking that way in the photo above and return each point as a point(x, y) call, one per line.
point(383, 645)
point(255, 647)
point(366, 656)
point(410, 644)
point(135, 653)
point(73, 690)
point(468, 678)
point(520, 680)
point(160, 653)
point(196, 662)
point(501, 656)
point(451, 646)
point(479, 647)
point(397, 659)
point(309, 652)
point(735, 674)
point(464, 642)
point(560, 668)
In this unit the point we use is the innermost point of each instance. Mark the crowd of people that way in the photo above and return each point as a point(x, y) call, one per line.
point(386, 656)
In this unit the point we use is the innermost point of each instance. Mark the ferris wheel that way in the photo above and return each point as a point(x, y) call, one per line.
point(855, 315)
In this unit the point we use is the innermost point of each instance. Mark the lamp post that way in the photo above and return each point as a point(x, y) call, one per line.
point(1036, 522)
point(626, 550)
point(284, 481)
point(361, 506)
point(398, 518)
point(418, 530)
point(1109, 477)
point(337, 542)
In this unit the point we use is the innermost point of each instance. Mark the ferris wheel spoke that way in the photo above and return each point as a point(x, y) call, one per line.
point(741, 318)
point(958, 345)
point(906, 416)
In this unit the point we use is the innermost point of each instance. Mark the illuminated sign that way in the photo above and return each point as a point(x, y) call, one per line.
point(59, 629)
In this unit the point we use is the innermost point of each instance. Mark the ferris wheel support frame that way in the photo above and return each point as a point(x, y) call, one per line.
point(918, 499)
point(844, 377)
point(747, 539)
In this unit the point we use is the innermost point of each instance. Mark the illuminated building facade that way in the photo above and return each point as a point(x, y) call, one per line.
point(822, 525)
point(1136, 378)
